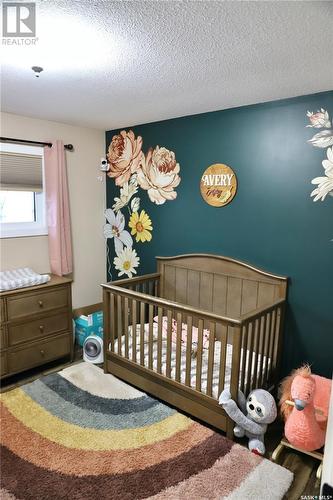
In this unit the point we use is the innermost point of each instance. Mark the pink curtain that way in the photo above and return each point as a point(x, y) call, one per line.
point(57, 208)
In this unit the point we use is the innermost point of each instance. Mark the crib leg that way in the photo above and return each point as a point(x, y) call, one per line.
point(230, 429)
point(319, 471)
point(277, 452)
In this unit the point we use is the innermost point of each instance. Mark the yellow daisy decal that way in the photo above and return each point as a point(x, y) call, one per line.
point(141, 226)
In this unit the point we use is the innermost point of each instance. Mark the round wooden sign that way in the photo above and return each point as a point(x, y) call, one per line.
point(218, 185)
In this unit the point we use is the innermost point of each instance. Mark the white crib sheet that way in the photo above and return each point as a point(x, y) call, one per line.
point(204, 370)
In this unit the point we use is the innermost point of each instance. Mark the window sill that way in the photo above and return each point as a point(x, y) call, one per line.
point(23, 233)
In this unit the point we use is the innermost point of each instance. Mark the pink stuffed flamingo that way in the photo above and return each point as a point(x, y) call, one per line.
point(306, 420)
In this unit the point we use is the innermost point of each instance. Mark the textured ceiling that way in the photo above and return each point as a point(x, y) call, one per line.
point(109, 64)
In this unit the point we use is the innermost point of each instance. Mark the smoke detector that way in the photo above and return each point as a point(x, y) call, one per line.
point(37, 70)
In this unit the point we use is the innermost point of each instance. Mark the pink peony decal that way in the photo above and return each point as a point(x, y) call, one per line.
point(320, 119)
point(124, 156)
point(159, 175)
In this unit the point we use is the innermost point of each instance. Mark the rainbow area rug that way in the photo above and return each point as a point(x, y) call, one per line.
point(81, 434)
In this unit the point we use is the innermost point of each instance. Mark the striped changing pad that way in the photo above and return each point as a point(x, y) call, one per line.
point(20, 278)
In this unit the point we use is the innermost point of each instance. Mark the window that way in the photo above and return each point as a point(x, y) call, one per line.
point(22, 198)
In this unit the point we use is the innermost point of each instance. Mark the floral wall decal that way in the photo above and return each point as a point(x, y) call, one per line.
point(320, 119)
point(124, 156)
point(126, 261)
point(157, 173)
point(323, 139)
point(126, 192)
point(325, 184)
point(115, 229)
point(141, 226)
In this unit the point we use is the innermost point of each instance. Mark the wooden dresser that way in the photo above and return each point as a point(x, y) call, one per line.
point(36, 325)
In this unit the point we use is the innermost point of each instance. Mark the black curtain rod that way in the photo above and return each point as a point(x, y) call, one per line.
point(69, 147)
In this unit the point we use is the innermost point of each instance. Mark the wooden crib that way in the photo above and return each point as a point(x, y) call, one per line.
point(239, 306)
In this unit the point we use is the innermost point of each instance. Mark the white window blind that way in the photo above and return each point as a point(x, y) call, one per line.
point(21, 172)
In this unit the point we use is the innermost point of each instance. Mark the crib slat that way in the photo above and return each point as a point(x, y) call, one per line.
point(250, 342)
point(271, 345)
point(106, 325)
point(142, 333)
point(119, 323)
point(223, 356)
point(235, 366)
point(169, 344)
point(134, 316)
point(126, 325)
point(178, 346)
point(266, 347)
point(256, 351)
point(113, 322)
point(159, 340)
point(276, 340)
point(211, 347)
point(151, 337)
point(154, 288)
point(188, 351)
point(199, 356)
point(262, 332)
point(244, 356)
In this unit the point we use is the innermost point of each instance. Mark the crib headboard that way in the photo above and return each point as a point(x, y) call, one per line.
point(219, 284)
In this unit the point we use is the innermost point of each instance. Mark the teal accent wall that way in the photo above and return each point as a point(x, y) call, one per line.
point(271, 223)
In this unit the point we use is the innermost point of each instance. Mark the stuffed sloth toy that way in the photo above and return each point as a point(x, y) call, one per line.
point(258, 410)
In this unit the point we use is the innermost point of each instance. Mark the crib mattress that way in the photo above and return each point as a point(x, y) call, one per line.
point(204, 368)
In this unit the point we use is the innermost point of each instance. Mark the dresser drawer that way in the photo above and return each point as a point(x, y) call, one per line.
point(38, 328)
point(3, 364)
point(34, 303)
point(38, 353)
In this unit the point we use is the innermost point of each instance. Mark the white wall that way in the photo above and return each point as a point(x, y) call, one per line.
point(87, 201)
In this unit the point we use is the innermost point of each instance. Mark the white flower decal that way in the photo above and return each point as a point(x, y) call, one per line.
point(135, 204)
point(323, 139)
point(325, 184)
point(126, 262)
point(115, 229)
point(126, 193)
point(320, 119)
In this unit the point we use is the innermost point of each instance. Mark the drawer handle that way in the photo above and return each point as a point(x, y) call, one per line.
point(40, 303)
point(41, 328)
point(42, 352)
